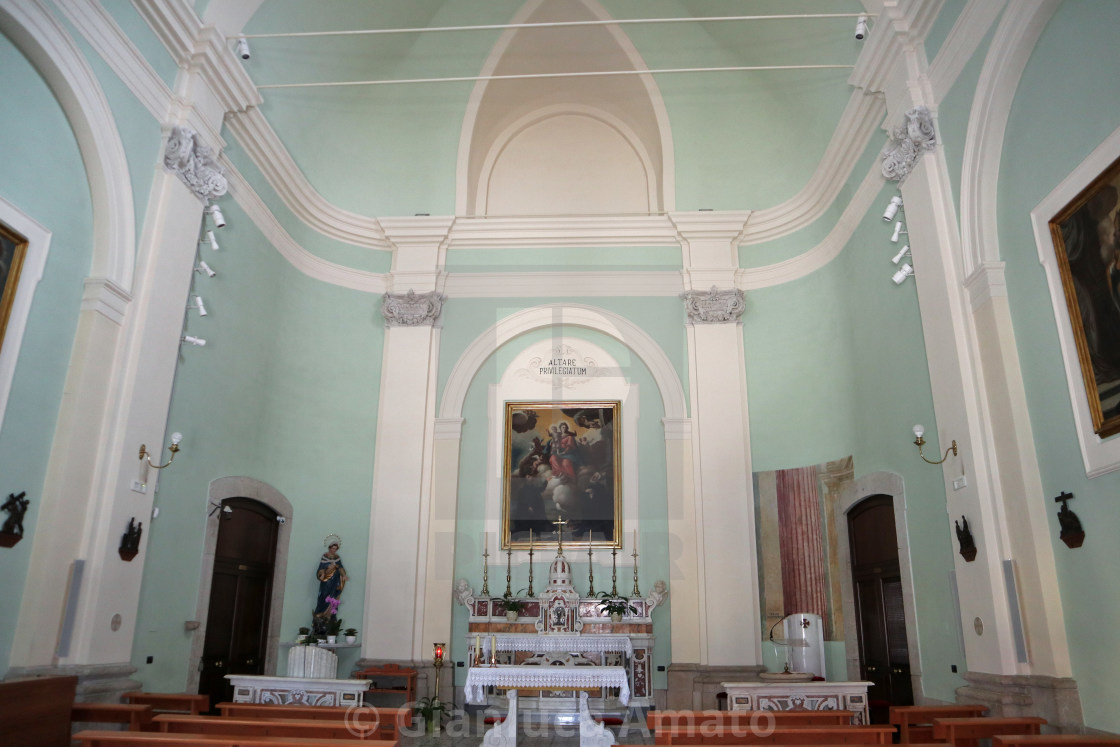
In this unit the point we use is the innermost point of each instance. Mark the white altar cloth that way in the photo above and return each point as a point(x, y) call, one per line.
point(545, 678)
point(609, 643)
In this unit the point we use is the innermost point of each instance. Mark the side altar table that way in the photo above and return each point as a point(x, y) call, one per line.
point(799, 696)
point(514, 678)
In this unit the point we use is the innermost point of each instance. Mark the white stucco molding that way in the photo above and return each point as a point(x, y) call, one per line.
point(39, 36)
point(550, 315)
point(448, 429)
point(908, 141)
point(106, 298)
point(677, 429)
point(1100, 456)
point(964, 39)
point(987, 282)
point(1011, 47)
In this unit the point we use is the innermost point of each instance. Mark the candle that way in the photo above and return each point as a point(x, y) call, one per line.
point(494, 649)
point(530, 540)
point(477, 648)
point(635, 539)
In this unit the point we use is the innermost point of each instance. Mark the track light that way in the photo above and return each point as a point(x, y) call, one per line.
point(861, 29)
point(901, 253)
point(903, 272)
point(219, 219)
point(198, 341)
point(890, 212)
point(209, 239)
point(897, 232)
point(203, 267)
point(243, 47)
point(198, 305)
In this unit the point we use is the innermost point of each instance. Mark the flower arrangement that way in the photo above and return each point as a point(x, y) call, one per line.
point(334, 625)
point(615, 605)
point(512, 603)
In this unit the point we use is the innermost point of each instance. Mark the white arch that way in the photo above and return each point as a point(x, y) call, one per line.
point(48, 47)
point(573, 315)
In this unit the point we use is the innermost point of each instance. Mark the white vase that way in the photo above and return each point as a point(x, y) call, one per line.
point(616, 617)
point(511, 617)
point(331, 639)
point(351, 638)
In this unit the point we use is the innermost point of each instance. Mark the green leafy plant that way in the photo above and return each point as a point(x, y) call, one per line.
point(334, 625)
point(615, 605)
point(304, 631)
point(311, 640)
point(512, 603)
point(351, 631)
point(430, 709)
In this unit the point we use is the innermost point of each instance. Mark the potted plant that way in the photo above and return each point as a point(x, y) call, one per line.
point(303, 633)
point(615, 606)
point(333, 626)
point(311, 640)
point(431, 710)
point(513, 606)
point(351, 635)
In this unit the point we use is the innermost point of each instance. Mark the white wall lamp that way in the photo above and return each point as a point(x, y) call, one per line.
point(903, 272)
point(901, 253)
point(243, 47)
point(889, 213)
point(209, 239)
point(197, 341)
point(197, 305)
point(861, 28)
point(215, 213)
point(203, 267)
point(919, 431)
point(146, 457)
point(898, 231)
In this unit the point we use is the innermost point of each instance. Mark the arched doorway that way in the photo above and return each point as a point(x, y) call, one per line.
point(880, 620)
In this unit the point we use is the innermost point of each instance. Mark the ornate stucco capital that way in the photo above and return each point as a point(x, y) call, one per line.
point(908, 142)
point(714, 306)
point(411, 309)
point(194, 164)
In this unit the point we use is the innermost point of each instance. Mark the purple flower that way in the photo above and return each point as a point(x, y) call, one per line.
point(332, 605)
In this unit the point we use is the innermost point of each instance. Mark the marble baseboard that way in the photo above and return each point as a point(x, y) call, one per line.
point(1054, 698)
point(693, 687)
point(97, 683)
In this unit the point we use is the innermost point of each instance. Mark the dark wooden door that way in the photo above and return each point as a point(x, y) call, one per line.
point(883, 654)
point(240, 596)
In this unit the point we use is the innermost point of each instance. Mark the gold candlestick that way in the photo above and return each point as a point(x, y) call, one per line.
point(614, 572)
point(509, 555)
point(485, 569)
point(530, 563)
point(590, 568)
point(637, 592)
point(560, 524)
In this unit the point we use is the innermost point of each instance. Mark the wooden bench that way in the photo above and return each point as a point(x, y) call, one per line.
point(170, 702)
point(137, 716)
point(377, 675)
point(915, 723)
point(175, 723)
point(657, 720)
point(1055, 740)
point(730, 735)
point(95, 738)
point(36, 711)
point(966, 732)
point(387, 721)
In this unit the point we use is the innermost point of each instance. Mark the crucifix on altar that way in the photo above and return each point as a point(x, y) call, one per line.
point(560, 524)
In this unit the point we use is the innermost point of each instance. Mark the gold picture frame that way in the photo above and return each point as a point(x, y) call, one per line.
point(562, 459)
point(13, 249)
point(1086, 236)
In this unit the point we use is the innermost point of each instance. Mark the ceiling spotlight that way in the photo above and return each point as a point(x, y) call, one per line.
point(861, 29)
point(209, 239)
point(220, 220)
point(193, 340)
point(902, 253)
point(203, 267)
point(243, 47)
point(903, 272)
point(198, 305)
point(890, 212)
point(897, 232)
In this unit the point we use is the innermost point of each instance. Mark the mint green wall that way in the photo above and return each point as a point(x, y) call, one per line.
point(1064, 107)
point(43, 177)
point(939, 30)
point(285, 392)
point(652, 505)
point(141, 34)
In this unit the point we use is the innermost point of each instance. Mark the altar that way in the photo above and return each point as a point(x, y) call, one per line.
point(799, 696)
point(311, 691)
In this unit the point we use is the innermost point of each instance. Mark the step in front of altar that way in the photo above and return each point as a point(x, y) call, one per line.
point(564, 710)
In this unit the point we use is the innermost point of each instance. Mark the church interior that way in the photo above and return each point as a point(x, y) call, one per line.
point(784, 324)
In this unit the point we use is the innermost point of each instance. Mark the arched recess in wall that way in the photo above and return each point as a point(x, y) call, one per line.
point(241, 487)
point(549, 146)
point(50, 49)
point(877, 483)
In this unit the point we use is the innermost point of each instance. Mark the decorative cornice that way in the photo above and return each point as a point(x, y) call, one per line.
point(677, 429)
point(986, 282)
point(193, 162)
point(224, 74)
point(915, 136)
point(562, 284)
point(106, 298)
point(566, 231)
point(448, 429)
point(411, 309)
point(714, 306)
point(901, 25)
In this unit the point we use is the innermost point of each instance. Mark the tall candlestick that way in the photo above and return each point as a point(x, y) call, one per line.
point(485, 565)
point(614, 572)
point(590, 568)
point(509, 556)
point(530, 563)
point(636, 592)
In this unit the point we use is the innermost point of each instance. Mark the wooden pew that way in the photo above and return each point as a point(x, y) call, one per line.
point(657, 720)
point(915, 723)
point(170, 702)
point(800, 735)
point(387, 721)
point(95, 738)
point(1055, 740)
point(966, 732)
point(181, 723)
point(36, 711)
point(137, 716)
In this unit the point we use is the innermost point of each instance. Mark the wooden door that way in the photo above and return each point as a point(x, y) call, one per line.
point(240, 596)
point(880, 615)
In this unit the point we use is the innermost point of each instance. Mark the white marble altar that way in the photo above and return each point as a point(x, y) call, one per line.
point(312, 661)
point(296, 690)
point(790, 696)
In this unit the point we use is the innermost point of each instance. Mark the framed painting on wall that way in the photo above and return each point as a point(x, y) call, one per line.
point(561, 462)
point(1086, 235)
point(13, 247)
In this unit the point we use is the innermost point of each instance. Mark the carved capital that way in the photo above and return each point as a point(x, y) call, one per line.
point(194, 164)
point(714, 306)
point(908, 142)
point(411, 309)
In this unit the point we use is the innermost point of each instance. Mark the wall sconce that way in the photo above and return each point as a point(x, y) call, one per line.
point(146, 457)
point(919, 431)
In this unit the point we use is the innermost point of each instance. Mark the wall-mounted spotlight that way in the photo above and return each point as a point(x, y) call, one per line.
point(243, 47)
point(209, 239)
point(903, 272)
point(198, 305)
point(146, 457)
point(203, 267)
point(861, 28)
point(902, 253)
point(919, 431)
point(898, 232)
point(216, 215)
point(198, 341)
point(890, 212)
